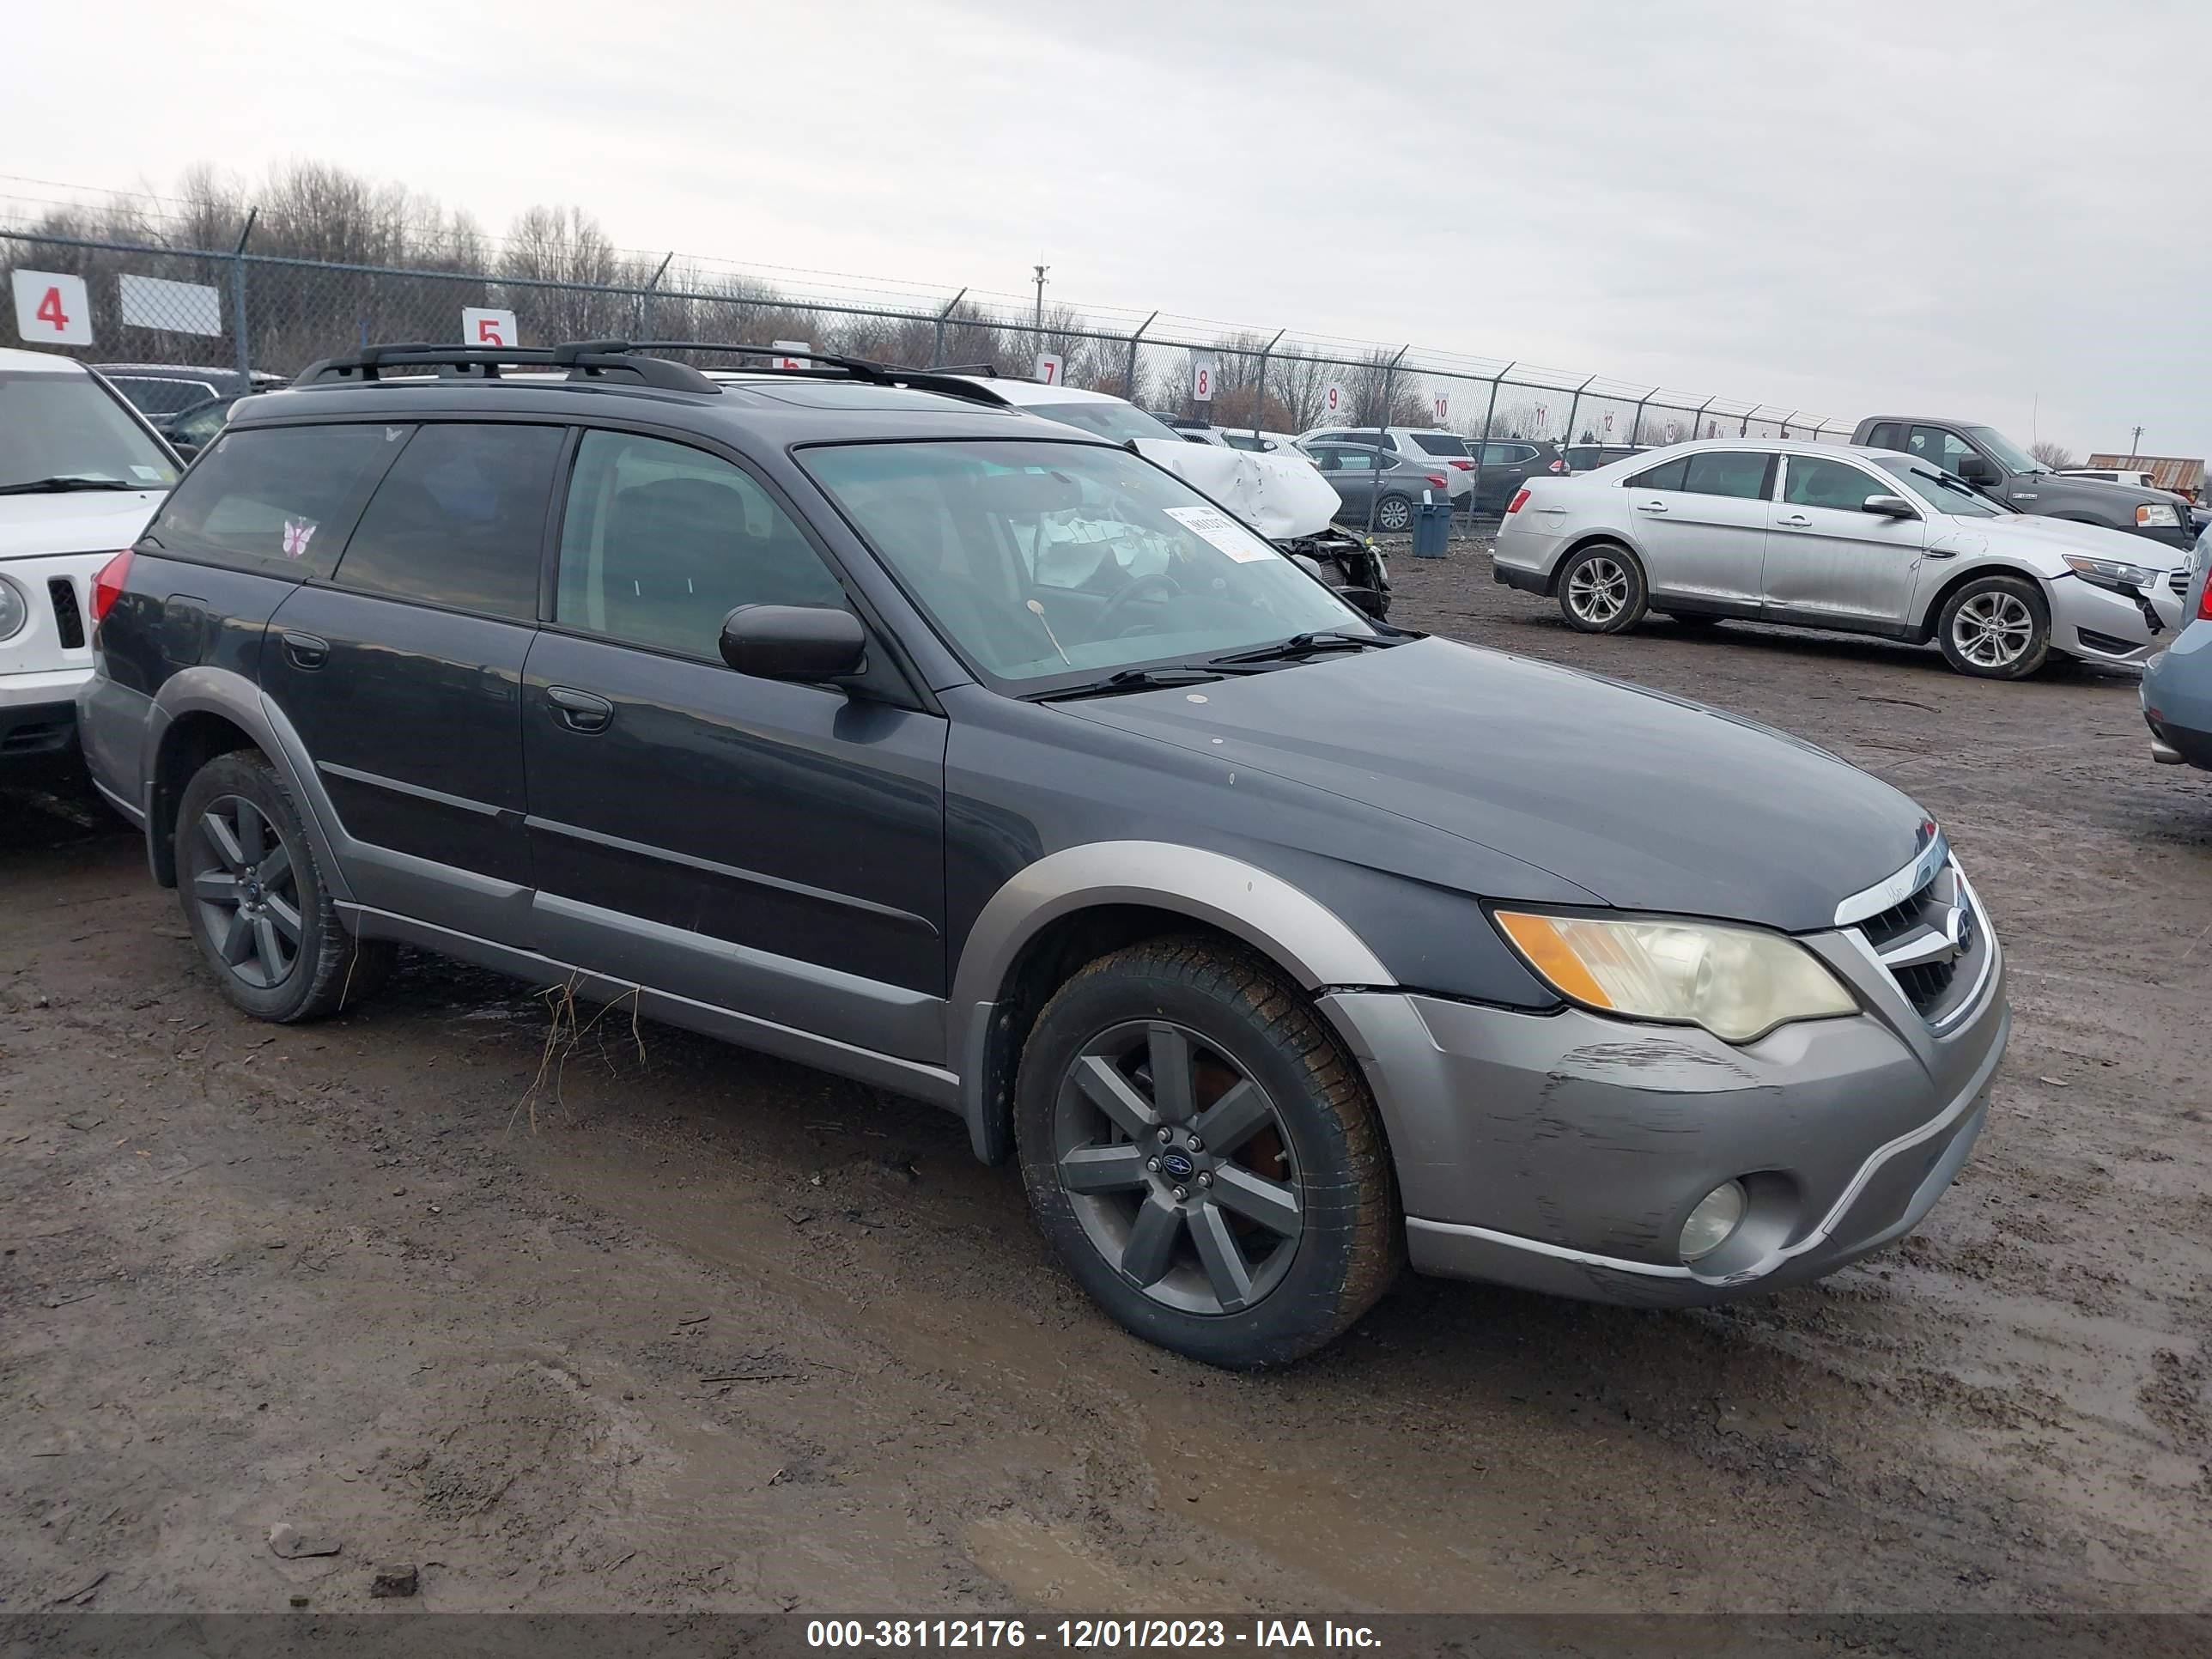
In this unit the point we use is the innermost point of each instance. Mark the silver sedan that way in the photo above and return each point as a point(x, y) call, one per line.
point(1866, 541)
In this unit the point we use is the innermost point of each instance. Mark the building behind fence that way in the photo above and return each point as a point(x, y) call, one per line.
point(232, 307)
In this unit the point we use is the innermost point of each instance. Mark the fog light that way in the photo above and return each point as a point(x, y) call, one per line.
point(1713, 1220)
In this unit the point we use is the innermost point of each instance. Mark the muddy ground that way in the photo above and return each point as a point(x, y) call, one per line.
point(692, 1328)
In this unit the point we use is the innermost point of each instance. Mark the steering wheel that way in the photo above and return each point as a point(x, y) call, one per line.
point(1157, 583)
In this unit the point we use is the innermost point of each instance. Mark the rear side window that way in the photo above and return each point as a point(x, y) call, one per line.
point(1738, 472)
point(1667, 475)
point(1507, 454)
point(1441, 443)
point(278, 500)
point(459, 519)
point(1889, 435)
point(162, 397)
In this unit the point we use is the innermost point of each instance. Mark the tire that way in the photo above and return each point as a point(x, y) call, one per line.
point(1699, 621)
point(1288, 1229)
point(1394, 514)
point(265, 923)
point(1996, 627)
point(1602, 589)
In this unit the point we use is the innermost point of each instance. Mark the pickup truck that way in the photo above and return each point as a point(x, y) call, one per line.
point(2000, 468)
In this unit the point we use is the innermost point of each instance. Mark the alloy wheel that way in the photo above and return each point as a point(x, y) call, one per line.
point(1597, 591)
point(1393, 515)
point(247, 891)
point(1179, 1167)
point(1993, 630)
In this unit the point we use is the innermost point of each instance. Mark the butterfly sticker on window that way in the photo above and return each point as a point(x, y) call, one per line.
point(297, 532)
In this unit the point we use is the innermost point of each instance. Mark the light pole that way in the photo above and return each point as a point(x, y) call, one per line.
point(1041, 271)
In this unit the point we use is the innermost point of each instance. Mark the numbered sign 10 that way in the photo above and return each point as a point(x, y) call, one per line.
point(1049, 368)
point(1444, 407)
point(53, 309)
point(482, 326)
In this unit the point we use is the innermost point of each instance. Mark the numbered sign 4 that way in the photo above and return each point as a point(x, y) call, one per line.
point(53, 309)
point(482, 326)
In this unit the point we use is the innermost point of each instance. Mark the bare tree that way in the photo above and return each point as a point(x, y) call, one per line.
point(2052, 454)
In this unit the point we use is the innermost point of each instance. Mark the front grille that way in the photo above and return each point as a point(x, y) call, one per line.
point(69, 621)
point(1925, 983)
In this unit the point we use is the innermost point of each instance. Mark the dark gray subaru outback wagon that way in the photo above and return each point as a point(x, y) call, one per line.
point(851, 714)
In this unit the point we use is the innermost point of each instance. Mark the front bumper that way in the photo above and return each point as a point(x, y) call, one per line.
point(37, 716)
point(2104, 625)
point(1563, 1151)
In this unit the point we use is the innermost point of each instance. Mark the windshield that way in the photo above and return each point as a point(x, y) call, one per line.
point(2010, 456)
point(69, 426)
point(1041, 561)
point(1117, 422)
point(1942, 491)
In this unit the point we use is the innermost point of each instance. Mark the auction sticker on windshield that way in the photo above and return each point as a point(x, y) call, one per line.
point(1223, 531)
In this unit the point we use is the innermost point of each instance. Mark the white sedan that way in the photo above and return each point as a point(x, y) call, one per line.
point(1866, 541)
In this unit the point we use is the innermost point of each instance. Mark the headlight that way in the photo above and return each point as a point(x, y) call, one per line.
point(1737, 983)
point(2156, 516)
point(13, 611)
point(2111, 573)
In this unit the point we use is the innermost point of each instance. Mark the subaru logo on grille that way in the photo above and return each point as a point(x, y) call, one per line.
point(1177, 1166)
point(1962, 929)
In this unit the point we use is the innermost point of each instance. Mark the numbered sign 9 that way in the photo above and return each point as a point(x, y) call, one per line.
point(53, 309)
point(1334, 401)
point(482, 326)
point(799, 346)
point(1201, 377)
point(1444, 407)
point(1049, 368)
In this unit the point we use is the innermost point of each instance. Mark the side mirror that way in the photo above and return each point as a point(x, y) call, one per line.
point(1976, 469)
point(1367, 601)
point(806, 642)
point(1889, 507)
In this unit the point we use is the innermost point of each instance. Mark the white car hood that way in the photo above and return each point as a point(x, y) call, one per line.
point(1278, 496)
point(89, 521)
point(2042, 542)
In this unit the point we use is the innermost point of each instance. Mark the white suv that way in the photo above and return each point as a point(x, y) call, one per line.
point(80, 472)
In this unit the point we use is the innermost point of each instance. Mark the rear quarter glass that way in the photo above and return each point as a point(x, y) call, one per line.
point(279, 501)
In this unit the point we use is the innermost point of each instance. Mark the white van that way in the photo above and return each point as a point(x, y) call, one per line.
point(80, 472)
point(2110, 475)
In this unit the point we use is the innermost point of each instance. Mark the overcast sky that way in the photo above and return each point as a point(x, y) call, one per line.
point(1991, 211)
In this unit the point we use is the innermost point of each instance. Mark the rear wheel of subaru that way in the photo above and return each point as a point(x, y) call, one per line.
point(255, 900)
point(1393, 513)
point(1601, 590)
point(1996, 627)
point(1204, 1155)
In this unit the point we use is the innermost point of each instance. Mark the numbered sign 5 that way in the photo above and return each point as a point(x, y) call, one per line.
point(1049, 368)
point(482, 326)
point(1334, 400)
point(53, 309)
point(791, 345)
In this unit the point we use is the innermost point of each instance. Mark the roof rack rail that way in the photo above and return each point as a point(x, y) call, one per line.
point(826, 364)
point(585, 359)
point(988, 371)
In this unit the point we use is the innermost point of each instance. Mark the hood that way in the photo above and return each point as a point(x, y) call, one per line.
point(91, 521)
point(2107, 490)
point(2046, 540)
point(1649, 802)
point(1280, 496)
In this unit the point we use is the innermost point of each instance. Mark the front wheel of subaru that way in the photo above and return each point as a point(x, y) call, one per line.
point(1204, 1155)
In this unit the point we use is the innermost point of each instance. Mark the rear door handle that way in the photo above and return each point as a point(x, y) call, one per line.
point(1796, 521)
point(1650, 506)
point(581, 711)
point(306, 651)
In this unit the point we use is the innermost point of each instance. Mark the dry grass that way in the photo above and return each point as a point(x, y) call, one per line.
point(565, 1035)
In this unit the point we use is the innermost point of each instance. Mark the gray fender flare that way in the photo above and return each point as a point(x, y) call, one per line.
point(230, 695)
point(1293, 929)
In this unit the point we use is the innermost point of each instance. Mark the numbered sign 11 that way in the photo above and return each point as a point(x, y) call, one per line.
point(53, 309)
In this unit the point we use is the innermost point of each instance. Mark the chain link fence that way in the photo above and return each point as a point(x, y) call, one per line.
point(235, 307)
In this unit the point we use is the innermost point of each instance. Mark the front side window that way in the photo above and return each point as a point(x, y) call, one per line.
point(1039, 561)
point(660, 542)
point(2010, 456)
point(278, 500)
point(1815, 481)
point(67, 426)
point(459, 519)
point(1739, 472)
point(1110, 419)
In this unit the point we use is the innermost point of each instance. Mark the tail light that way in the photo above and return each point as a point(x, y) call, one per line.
point(2205, 601)
point(1520, 500)
point(1434, 482)
point(1559, 466)
point(1464, 466)
point(107, 586)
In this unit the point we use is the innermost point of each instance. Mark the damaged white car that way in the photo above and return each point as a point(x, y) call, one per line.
point(1280, 495)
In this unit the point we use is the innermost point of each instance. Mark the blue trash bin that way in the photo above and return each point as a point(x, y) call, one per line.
point(1432, 530)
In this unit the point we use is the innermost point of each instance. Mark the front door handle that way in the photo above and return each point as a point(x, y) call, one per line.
point(1796, 521)
point(1650, 506)
point(581, 711)
point(306, 651)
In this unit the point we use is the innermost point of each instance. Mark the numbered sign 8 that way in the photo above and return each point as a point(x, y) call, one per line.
point(482, 326)
point(53, 309)
point(1201, 379)
point(1049, 368)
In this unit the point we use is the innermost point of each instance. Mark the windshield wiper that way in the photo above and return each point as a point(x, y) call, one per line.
point(1299, 644)
point(61, 485)
point(1130, 679)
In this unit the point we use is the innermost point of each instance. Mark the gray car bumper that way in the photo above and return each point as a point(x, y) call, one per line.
point(2177, 699)
point(1563, 1151)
